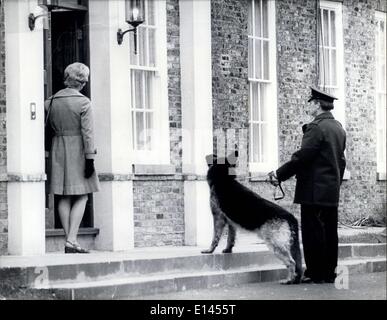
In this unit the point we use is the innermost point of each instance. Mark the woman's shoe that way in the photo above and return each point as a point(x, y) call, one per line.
point(71, 247)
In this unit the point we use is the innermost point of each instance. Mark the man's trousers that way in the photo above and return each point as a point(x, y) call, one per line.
point(320, 241)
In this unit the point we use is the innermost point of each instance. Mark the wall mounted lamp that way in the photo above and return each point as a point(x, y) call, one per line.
point(134, 16)
point(49, 5)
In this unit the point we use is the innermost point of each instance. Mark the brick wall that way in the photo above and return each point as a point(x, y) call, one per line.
point(158, 212)
point(174, 90)
point(3, 141)
point(159, 200)
point(229, 77)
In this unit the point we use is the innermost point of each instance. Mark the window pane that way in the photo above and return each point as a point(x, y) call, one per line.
point(325, 27)
point(138, 89)
point(258, 18)
point(266, 60)
point(250, 19)
point(326, 67)
point(265, 24)
point(263, 103)
point(320, 37)
point(148, 89)
point(152, 47)
point(265, 141)
point(142, 45)
point(149, 130)
point(333, 29)
point(140, 130)
point(255, 146)
point(251, 57)
point(321, 68)
point(258, 70)
point(255, 101)
point(134, 141)
point(151, 12)
point(333, 81)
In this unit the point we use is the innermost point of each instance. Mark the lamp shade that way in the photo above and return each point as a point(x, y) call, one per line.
point(134, 11)
point(49, 4)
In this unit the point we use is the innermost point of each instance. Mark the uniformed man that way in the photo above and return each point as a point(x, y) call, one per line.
point(319, 168)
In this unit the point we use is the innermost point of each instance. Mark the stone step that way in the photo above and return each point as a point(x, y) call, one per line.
point(71, 268)
point(55, 239)
point(131, 287)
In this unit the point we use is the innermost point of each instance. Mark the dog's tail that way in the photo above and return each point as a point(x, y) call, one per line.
point(295, 247)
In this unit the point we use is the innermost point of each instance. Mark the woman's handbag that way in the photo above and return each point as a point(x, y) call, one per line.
point(49, 132)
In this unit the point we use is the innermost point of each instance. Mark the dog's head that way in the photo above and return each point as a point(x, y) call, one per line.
point(221, 169)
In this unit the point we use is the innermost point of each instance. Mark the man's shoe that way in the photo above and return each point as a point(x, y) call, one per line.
point(311, 280)
point(318, 281)
point(306, 280)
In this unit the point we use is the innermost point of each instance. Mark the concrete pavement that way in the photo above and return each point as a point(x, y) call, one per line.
point(368, 286)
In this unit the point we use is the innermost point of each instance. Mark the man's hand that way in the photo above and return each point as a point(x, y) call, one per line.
point(273, 179)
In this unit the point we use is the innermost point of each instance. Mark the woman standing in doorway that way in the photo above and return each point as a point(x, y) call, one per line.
point(72, 154)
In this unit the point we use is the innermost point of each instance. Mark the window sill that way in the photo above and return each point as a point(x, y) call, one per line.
point(154, 169)
point(381, 176)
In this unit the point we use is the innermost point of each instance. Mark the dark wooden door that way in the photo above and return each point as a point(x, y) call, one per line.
point(66, 41)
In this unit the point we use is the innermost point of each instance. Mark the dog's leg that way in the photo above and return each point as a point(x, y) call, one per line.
point(285, 256)
point(278, 238)
point(230, 238)
point(219, 223)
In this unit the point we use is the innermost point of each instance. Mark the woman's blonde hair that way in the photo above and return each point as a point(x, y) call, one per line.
point(76, 74)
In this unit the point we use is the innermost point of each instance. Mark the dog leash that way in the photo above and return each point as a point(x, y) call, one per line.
point(275, 193)
point(279, 186)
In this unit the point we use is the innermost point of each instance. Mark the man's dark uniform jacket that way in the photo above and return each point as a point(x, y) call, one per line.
point(319, 164)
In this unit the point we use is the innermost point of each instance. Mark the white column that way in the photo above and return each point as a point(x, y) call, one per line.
point(196, 86)
point(110, 95)
point(25, 142)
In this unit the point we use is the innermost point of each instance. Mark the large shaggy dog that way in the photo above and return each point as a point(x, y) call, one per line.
point(234, 204)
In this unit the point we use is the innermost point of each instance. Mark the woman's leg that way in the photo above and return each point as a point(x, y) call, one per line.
point(64, 208)
point(76, 215)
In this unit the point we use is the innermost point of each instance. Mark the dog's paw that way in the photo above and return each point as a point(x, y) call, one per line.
point(227, 250)
point(208, 251)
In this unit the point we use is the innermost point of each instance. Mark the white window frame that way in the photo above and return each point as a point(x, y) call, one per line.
point(379, 89)
point(271, 162)
point(339, 110)
point(160, 154)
